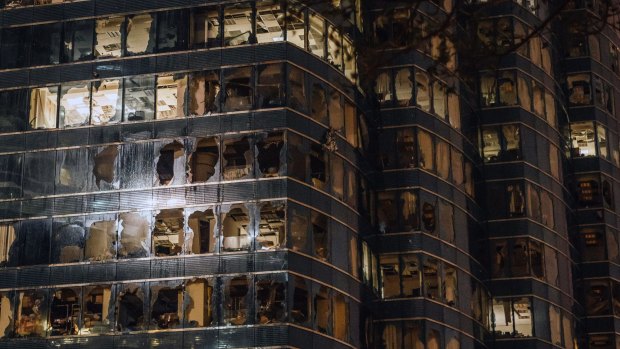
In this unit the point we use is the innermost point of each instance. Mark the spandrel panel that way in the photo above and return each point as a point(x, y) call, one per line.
point(98, 310)
point(16, 47)
point(172, 30)
point(31, 314)
point(139, 98)
point(269, 21)
point(74, 104)
point(78, 41)
point(106, 102)
point(11, 176)
point(68, 240)
point(108, 37)
point(132, 307)
point(46, 44)
point(238, 24)
point(199, 305)
point(101, 237)
point(65, 310)
point(205, 27)
point(137, 165)
point(171, 91)
point(204, 92)
point(134, 234)
point(13, 110)
point(166, 311)
point(171, 162)
point(38, 177)
point(44, 107)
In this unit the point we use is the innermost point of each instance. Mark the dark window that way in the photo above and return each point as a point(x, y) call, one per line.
point(16, 45)
point(172, 30)
point(14, 110)
point(78, 41)
point(46, 44)
point(205, 27)
point(239, 90)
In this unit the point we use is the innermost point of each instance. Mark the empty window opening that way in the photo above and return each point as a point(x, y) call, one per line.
point(171, 96)
point(270, 153)
point(43, 107)
point(238, 158)
point(269, 21)
point(130, 308)
point(31, 313)
point(108, 33)
point(270, 301)
point(65, 312)
point(96, 315)
point(320, 235)
point(583, 139)
point(134, 240)
point(166, 306)
point(270, 86)
point(168, 233)
point(203, 161)
point(74, 104)
point(235, 229)
point(202, 232)
point(296, 25)
point(172, 30)
point(205, 27)
point(171, 164)
point(271, 233)
point(140, 34)
point(507, 88)
point(322, 310)
point(237, 24)
point(204, 90)
point(236, 293)
point(579, 89)
point(6, 315)
point(513, 317)
point(198, 303)
point(100, 243)
point(105, 165)
point(106, 102)
point(238, 87)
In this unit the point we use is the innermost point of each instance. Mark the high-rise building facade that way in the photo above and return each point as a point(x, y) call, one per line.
point(233, 174)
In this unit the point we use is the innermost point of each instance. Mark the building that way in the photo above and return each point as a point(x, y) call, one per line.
point(221, 174)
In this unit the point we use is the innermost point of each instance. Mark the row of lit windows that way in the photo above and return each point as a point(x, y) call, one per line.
point(173, 232)
point(586, 89)
point(175, 304)
point(117, 36)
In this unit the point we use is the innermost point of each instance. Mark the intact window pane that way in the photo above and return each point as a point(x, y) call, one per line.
point(78, 41)
point(134, 235)
point(525, 95)
point(10, 180)
point(237, 24)
point(204, 92)
point(238, 158)
point(446, 221)
point(108, 33)
point(336, 112)
point(46, 44)
point(404, 87)
point(297, 86)
point(172, 30)
point(269, 21)
point(439, 99)
point(16, 46)
point(351, 127)
point(106, 102)
point(550, 108)
point(316, 35)
point(425, 142)
point(405, 148)
point(337, 176)
point(205, 27)
point(318, 166)
point(171, 91)
point(456, 159)
point(443, 159)
point(601, 134)
point(239, 89)
point(74, 104)
point(597, 297)
point(139, 98)
point(422, 90)
point(14, 110)
point(140, 34)
point(538, 99)
point(270, 87)
point(319, 103)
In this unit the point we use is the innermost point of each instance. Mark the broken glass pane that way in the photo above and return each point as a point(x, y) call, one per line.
point(422, 90)
point(270, 299)
point(205, 27)
point(299, 229)
point(199, 303)
point(238, 158)
point(74, 104)
point(140, 34)
point(31, 315)
point(236, 302)
point(322, 309)
point(236, 229)
point(70, 174)
point(6, 314)
point(168, 233)
point(171, 164)
point(320, 235)
point(139, 98)
point(404, 86)
point(171, 96)
point(202, 234)
point(131, 307)
point(318, 166)
point(319, 103)
point(204, 92)
point(105, 168)
point(108, 33)
point(67, 240)
point(300, 307)
point(270, 154)
point(65, 311)
point(270, 86)
point(98, 314)
point(237, 24)
point(238, 86)
point(134, 236)
point(316, 35)
point(166, 305)
point(106, 102)
point(269, 21)
point(203, 162)
point(100, 242)
point(271, 233)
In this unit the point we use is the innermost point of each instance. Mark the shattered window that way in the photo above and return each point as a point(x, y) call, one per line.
point(579, 89)
point(108, 33)
point(31, 315)
point(11, 176)
point(172, 30)
point(106, 102)
point(45, 48)
point(422, 88)
point(296, 156)
point(236, 229)
point(238, 158)
point(270, 86)
point(171, 96)
point(387, 212)
point(270, 299)
point(271, 229)
point(236, 300)
point(351, 126)
point(488, 90)
point(6, 314)
point(140, 34)
point(204, 92)
point(14, 111)
point(507, 88)
point(411, 276)
point(322, 309)
point(77, 41)
point(68, 240)
point(432, 278)
point(269, 21)
point(383, 88)
point(319, 103)
point(74, 104)
point(270, 154)
point(131, 307)
point(203, 161)
point(337, 176)
point(425, 141)
point(299, 223)
point(166, 305)
point(201, 234)
point(238, 89)
point(105, 168)
point(318, 166)
point(98, 313)
point(439, 99)
point(65, 311)
point(334, 47)
point(100, 240)
point(205, 27)
point(296, 25)
point(316, 35)
point(139, 98)
point(168, 233)
point(297, 86)
point(341, 317)
point(199, 305)
point(404, 87)
point(450, 286)
point(171, 164)
point(409, 210)
point(134, 235)
point(237, 24)
point(390, 275)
